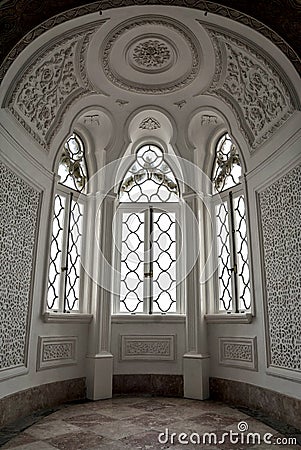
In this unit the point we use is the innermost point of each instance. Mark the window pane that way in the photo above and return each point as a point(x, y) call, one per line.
point(164, 262)
point(132, 262)
point(73, 257)
point(56, 253)
point(224, 257)
point(241, 245)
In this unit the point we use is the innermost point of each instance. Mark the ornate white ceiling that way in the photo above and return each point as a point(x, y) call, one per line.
point(164, 61)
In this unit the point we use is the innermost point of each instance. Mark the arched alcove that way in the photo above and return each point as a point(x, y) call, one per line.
point(176, 79)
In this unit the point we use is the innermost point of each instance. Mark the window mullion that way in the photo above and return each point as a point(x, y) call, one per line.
point(147, 289)
point(233, 269)
point(64, 261)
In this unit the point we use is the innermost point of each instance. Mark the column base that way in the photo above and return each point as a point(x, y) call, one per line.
point(196, 376)
point(99, 376)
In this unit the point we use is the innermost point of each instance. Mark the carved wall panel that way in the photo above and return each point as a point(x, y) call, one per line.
point(50, 84)
point(56, 351)
point(19, 205)
point(255, 91)
point(134, 347)
point(280, 210)
point(238, 352)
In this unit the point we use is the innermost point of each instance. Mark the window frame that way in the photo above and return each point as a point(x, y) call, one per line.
point(61, 313)
point(228, 195)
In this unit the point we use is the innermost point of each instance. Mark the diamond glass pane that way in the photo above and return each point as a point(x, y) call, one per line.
point(227, 169)
point(149, 179)
point(241, 244)
point(164, 262)
point(56, 253)
point(224, 257)
point(132, 263)
point(73, 257)
point(72, 167)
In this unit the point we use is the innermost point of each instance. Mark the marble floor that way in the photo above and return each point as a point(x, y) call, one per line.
point(138, 423)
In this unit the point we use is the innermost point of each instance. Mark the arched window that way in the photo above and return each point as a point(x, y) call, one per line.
point(64, 276)
point(233, 275)
point(148, 196)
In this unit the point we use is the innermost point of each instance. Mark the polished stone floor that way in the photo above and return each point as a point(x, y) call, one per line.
point(137, 422)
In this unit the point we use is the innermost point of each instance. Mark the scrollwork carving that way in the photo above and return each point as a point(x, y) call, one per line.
point(251, 86)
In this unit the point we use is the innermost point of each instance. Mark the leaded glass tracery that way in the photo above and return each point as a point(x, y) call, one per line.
point(72, 166)
point(233, 274)
point(64, 275)
point(149, 179)
point(227, 167)
point(149, 237)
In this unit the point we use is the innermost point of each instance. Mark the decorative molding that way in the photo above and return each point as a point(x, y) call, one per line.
point(54, 351)
point(52, 317)
point(280, 217)
point(240, 352)
point(149, 123)
point(52, 82)
point(202, 5)
point(208, 120)
point(145, 347)
point(149, 318)
point(92, 120)
point(251, 86)
point(229, 318)
point(121, 103)
point(20, 206)
point(145, 88)
point(180, 104)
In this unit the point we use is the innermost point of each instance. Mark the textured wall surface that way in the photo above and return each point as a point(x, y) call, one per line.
point(280, 207)
point(19, 206)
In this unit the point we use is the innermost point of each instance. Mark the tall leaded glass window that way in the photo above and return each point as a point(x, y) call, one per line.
point(148, 209)
point(64, 276)
point(233, 275)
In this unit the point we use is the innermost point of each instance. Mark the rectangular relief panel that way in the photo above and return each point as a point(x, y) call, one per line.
point(240, 352)
point(147, 348)
point(54, 351)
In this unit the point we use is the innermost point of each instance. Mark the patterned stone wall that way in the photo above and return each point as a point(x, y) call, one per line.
point(280, 207)
point(56, 351)
point(238, 352)
point(19, 206)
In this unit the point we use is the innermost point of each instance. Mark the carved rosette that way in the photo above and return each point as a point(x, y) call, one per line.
point(143, 53)
point(151, 54)
point(247, 82)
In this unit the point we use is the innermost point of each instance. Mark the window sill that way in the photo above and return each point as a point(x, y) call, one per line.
point(229, 318)
point(52, 317)
point(147, 318)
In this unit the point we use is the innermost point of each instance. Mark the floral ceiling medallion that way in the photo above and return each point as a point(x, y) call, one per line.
point(151, 54)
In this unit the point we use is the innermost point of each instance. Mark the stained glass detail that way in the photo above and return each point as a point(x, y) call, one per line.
point(164, 262)
point(227, 168)
point(241, 245)
point(72, 167)
point(132, 263)
point(224, 257)
point(56, 248)
point(149, 179)
point(73, 257)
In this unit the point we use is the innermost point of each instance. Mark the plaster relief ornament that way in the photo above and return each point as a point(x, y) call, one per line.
point(145, 55)
point(254, 89)
point(150, 123)
point(151, 54)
